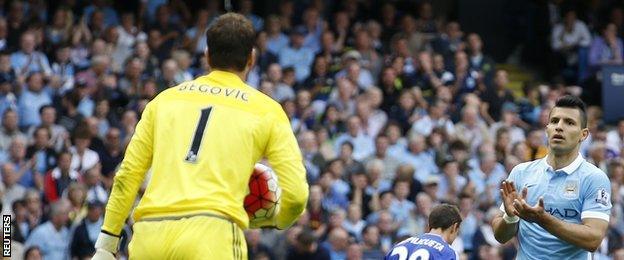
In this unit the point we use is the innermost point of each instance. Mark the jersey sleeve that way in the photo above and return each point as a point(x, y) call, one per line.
point(596, 197)
point(283, 154)
point(129, 177)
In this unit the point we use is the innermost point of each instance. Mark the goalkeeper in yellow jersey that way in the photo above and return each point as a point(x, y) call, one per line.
point(201, 140)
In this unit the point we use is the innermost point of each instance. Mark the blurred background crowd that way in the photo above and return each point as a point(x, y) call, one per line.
point(397, 105)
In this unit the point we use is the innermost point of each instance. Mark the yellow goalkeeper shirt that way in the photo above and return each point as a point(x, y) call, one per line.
point(201, 140)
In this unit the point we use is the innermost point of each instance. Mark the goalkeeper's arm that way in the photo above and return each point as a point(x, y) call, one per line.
point(285, 158)
point(128, 179)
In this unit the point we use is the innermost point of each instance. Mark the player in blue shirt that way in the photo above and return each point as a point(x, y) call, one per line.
point(558, 206)
point(444, 221)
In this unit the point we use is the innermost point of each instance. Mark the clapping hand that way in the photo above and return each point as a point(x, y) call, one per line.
point(509, 195)
point(525, 211)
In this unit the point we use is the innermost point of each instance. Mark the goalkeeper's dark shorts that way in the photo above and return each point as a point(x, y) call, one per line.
point(202, 236)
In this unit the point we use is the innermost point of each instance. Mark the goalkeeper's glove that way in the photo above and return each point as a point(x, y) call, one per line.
point(105, 247)
point(101, 254)
point(269, 222)
point(263, 223)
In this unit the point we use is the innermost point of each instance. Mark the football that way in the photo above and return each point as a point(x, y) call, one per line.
point(262, 201)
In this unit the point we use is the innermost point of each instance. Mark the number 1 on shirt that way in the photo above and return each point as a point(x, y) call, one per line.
point(191, 156)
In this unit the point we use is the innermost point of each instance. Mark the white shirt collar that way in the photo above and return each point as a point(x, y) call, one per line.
point(568, 169)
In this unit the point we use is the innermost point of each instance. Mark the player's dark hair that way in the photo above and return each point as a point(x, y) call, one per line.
point(230, 41)
point(569, 101)
point(444, 216)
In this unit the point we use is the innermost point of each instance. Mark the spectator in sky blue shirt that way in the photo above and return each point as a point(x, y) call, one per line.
point(276, 40)
point(314, 29)
point(296, 55)
point(337, 243)
point(31, 100)
point(418, 157)
point(606, 48)
point(451, 181)
point(110, 16)
point(63, 69)
point(52, 237)
point(401, 207)
point(246, 8)
point(7, 98)
point(487, 177)
point(27, 59)
point(363, 144)
point(9, 130)
point(85, 235)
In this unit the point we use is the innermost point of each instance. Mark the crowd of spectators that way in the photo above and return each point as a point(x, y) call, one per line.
point(580, 49)
point(395, 110)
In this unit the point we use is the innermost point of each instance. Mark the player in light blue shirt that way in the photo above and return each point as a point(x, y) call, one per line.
point(444, 221)
point(558, 206)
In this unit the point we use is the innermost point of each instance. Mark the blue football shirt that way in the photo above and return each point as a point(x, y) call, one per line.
point(575, 192)
point(424, 247)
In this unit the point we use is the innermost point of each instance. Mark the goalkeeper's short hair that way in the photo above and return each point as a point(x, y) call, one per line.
point(230, 40)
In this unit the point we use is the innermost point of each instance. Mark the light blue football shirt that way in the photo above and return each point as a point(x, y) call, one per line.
point(577, 191)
